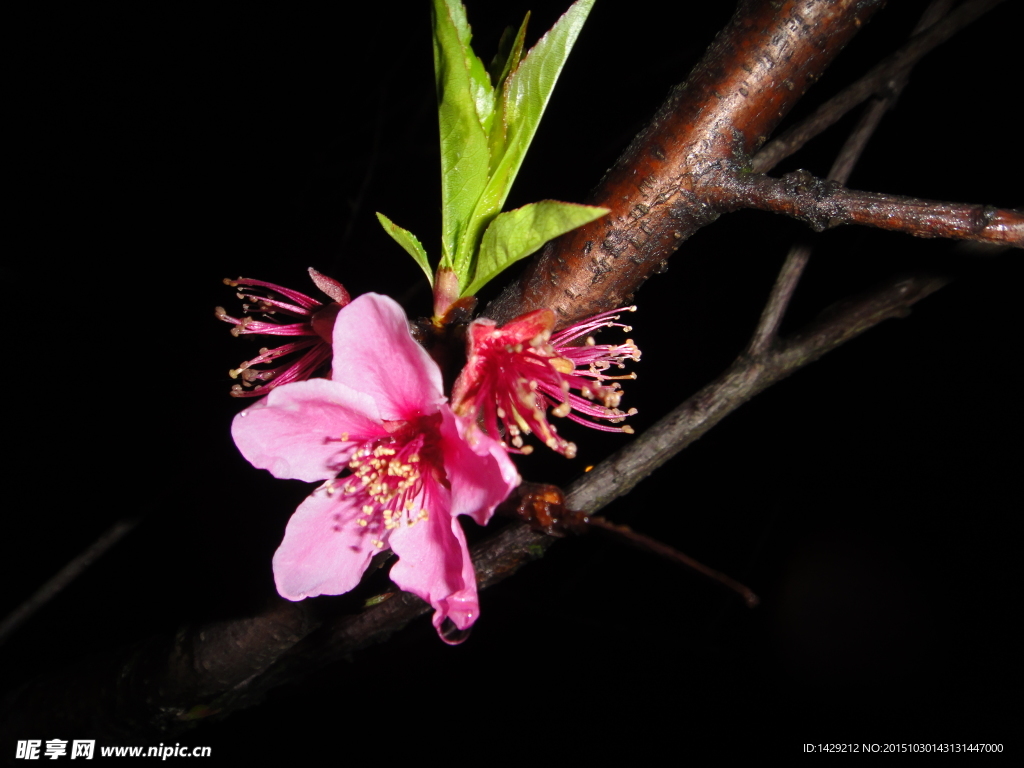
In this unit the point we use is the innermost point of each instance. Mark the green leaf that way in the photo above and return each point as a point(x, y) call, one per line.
point(481, 90)
point(529, 87)
point(510, 51)
point(524, 97)
point(410, 242)
point(516, 234)
point(465, 105)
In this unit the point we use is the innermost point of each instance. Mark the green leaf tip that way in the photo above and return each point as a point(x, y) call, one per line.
point(510, 51)
point(410, 243)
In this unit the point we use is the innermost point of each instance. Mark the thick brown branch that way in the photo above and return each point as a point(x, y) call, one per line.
point(878, 80)
point(824, 204)
point(755, 71)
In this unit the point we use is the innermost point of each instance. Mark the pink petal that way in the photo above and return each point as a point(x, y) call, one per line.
point(480, 472)
point(434, 563)
point(324, 551)
point(374, 353)
point(330, 286)
point(306, 430)
point(526, 327)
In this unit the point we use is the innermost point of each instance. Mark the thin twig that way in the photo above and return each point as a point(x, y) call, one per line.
point(778, 300)
point(877, 80)
point(543, 508)
point(649, 544)
point(800, 254)
point(64, 576)
point(823, 204)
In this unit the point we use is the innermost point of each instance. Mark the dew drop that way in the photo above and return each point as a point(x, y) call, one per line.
point(451, 634)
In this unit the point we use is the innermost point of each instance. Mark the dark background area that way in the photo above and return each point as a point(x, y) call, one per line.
point(868, 500)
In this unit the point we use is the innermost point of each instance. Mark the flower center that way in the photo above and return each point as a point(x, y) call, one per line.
point(387, 476)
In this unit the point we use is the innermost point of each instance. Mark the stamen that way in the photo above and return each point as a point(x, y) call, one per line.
point(516, 373)
point(315, 351)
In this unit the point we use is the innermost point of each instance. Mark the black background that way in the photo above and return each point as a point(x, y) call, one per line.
point(868, 500)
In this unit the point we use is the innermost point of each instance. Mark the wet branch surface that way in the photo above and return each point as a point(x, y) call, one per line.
point(823, 204)
point(677, 176)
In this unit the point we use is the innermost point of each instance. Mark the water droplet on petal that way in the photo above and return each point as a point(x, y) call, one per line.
point(451, 634)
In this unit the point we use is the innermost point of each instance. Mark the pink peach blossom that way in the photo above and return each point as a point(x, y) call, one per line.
point(397, 466)
point(515, 372)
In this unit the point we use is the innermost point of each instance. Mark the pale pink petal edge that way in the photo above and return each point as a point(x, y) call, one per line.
point(324, 551)
point(306, 430)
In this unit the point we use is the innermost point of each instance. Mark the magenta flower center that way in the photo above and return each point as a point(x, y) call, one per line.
point(517, 371)
point(387, 474)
